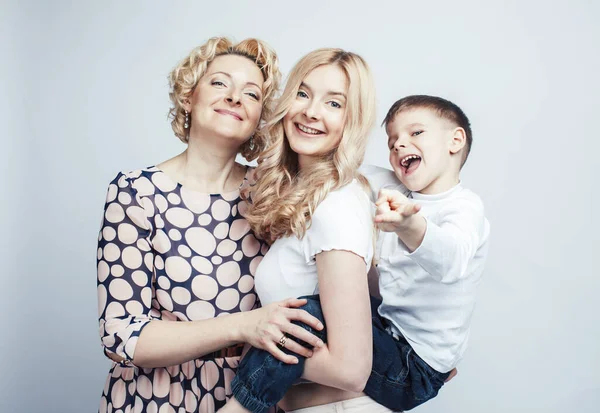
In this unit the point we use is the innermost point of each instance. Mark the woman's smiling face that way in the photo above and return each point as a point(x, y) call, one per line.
point(314, 125)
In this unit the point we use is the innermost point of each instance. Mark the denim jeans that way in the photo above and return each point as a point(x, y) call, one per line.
point(262, 380)
point(399, 380)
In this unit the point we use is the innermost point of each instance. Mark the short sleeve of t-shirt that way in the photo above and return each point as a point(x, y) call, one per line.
point(342, 221)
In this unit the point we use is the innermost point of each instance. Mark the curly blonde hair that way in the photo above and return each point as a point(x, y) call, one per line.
point(186, 75)
point(285, 197)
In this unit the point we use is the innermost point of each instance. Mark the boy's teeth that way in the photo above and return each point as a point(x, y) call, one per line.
point(408, 158)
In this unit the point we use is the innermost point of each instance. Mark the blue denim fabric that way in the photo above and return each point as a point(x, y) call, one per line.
point(262, 380)
point(399, 380)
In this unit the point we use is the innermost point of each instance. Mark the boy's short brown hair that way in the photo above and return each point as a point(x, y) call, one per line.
point(442, 107)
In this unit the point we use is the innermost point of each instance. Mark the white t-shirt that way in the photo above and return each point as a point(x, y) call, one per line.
point(342, 221)
point(429, 295)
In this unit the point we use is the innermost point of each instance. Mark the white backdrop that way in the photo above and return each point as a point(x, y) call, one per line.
point(84, 95)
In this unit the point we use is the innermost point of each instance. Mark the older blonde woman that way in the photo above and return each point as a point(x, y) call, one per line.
point(176, 258)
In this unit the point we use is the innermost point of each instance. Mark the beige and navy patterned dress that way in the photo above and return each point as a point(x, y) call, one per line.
point(169, 253)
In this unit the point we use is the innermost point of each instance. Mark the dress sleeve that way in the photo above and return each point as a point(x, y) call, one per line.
point(125, 267)
point(343, 221)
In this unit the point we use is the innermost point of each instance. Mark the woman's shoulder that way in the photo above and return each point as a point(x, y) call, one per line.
point(348, 200)
point(126, 192)
point(354, 191)
point(132, 175)
point(344, 221)
point(145, 181)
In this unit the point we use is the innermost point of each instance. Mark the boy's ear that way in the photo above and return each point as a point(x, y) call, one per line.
point(458, 141)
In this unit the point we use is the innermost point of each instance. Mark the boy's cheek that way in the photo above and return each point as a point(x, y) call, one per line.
point(394, 161)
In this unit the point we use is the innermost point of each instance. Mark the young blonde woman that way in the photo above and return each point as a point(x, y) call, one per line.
point(311, 202)
point(176, 258)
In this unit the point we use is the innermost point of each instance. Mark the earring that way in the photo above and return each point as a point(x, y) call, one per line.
point(251, 146)
point(187, 120)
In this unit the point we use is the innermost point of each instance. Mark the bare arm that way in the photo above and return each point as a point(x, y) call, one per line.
point(167, 343)
point(373, 278)
point(444, 249)
point(345, 362)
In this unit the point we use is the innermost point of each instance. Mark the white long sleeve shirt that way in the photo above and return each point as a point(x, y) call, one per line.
point(429, 295)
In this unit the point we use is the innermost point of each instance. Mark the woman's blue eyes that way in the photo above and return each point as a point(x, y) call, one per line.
point(416, 133)
point(219, 83)
point(332, 103)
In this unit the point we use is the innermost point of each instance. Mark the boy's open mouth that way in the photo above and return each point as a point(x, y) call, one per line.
point(410, 163)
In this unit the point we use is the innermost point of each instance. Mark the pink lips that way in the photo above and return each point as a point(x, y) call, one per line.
point(228, 112)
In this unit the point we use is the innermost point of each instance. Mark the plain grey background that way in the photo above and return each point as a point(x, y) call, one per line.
point(84, 95)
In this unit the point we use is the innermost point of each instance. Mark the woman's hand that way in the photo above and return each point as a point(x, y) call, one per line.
point(265, 327)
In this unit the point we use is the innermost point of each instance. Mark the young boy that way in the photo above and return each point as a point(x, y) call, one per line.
point(431, 252)
point(433, 242)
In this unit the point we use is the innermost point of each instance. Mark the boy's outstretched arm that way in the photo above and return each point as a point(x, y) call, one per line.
point(444, 249)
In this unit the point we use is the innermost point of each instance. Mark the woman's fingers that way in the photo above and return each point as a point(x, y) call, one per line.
point(304, 317)
point(281, 317)
point(280, 355)
point(294, 302)
point(304, 335)
point(297, 348)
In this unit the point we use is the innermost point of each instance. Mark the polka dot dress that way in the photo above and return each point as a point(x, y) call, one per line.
point(169, 253)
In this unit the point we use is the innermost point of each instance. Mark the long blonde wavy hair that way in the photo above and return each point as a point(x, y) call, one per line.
point(186, 75)
point(285, 196)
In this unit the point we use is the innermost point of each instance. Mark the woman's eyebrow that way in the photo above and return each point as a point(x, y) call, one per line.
point(229, 76)
point(329, 93)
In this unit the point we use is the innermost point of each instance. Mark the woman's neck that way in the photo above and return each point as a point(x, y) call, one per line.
point(206, 168)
